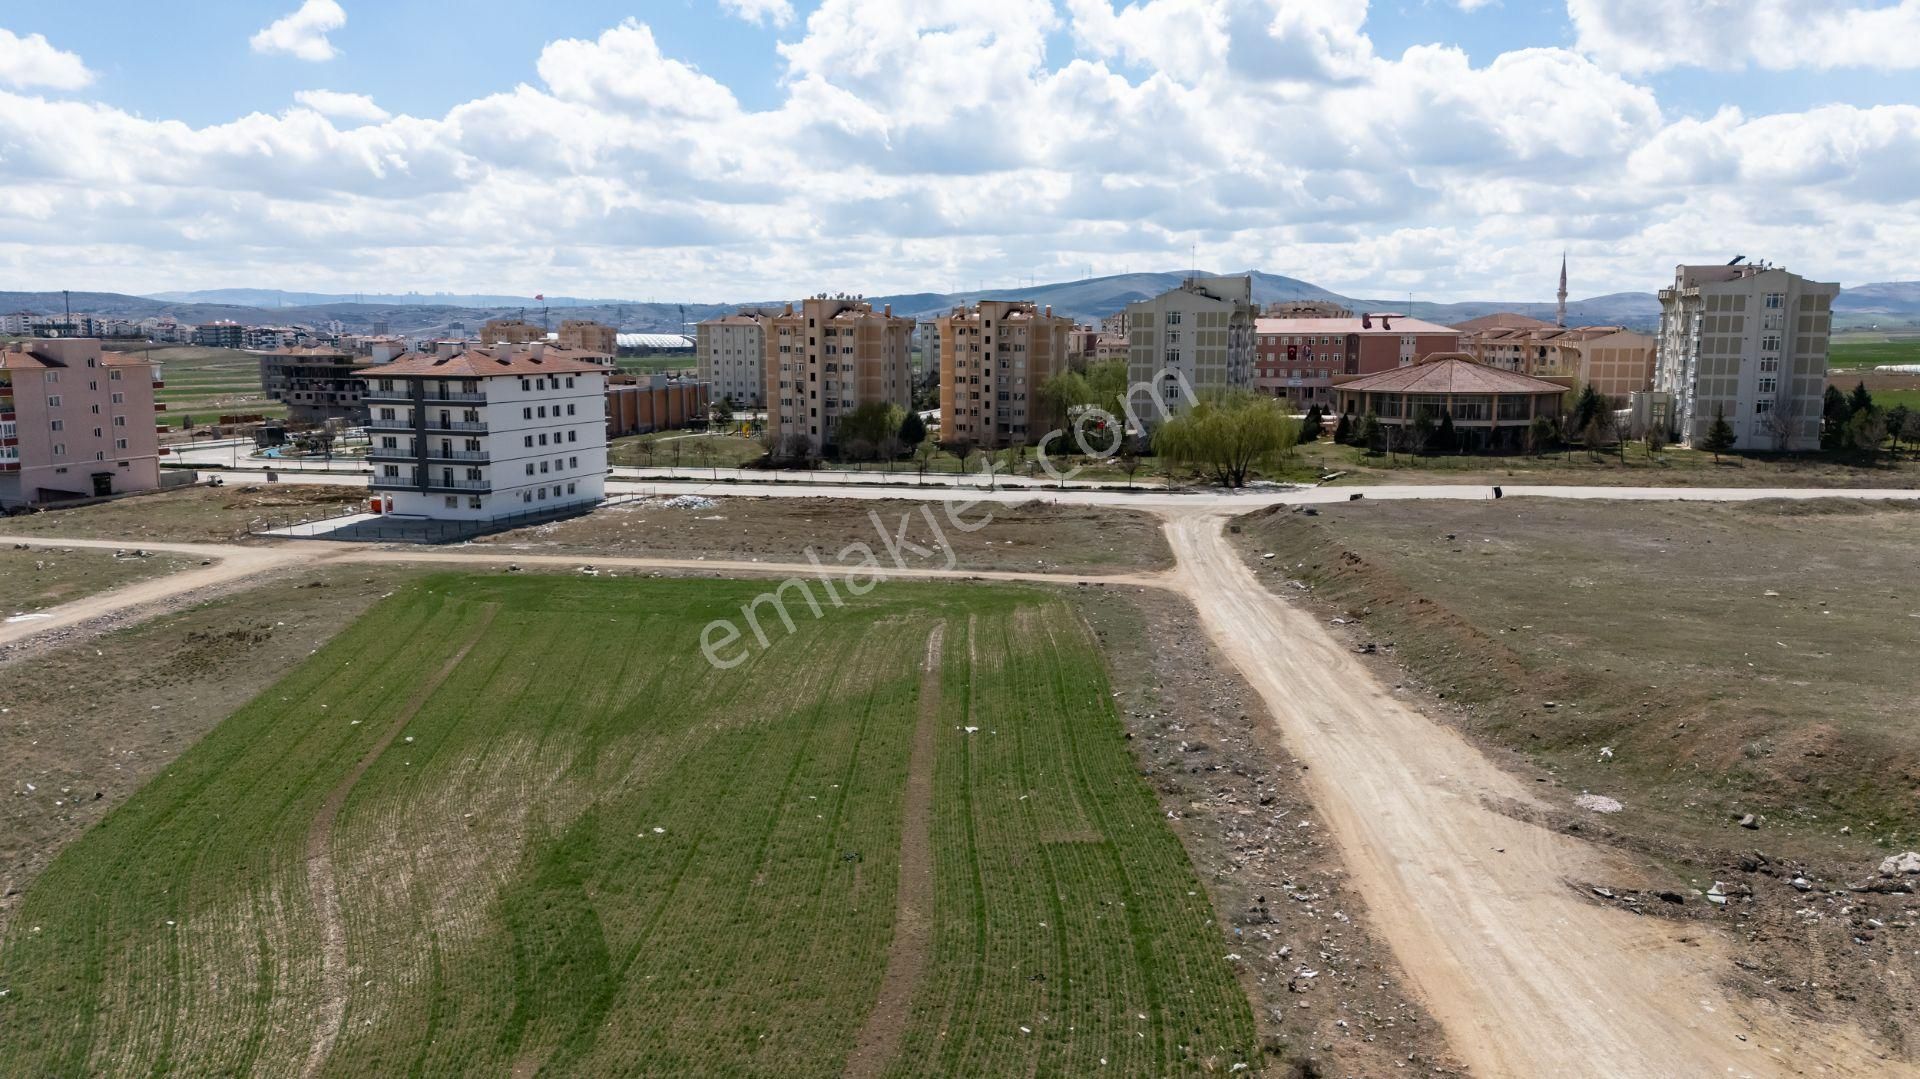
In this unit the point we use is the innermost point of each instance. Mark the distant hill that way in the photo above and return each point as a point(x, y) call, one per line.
point(1885, 305)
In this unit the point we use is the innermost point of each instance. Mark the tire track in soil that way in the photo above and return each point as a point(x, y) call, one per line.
point(879, 1038)
point(322, 885)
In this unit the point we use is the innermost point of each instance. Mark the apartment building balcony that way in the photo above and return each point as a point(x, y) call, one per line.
point(463, 486)
point(434, 423)
point(390, 453)
point(477, 456)
point(404, 397)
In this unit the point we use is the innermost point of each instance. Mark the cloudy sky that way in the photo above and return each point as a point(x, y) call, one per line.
point(740, 149)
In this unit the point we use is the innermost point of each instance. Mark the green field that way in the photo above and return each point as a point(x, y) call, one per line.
point(678, 449)
point(204, 383)
point(518, 825)
point(1868, 351)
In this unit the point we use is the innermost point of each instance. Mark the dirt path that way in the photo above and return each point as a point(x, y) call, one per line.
point(325, 889)
point(231, 563)
point(738, 568)
point(1526, 977)
point(879, 1037)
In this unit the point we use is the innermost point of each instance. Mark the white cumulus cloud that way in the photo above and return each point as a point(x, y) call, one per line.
point(303, 34)
point(1776, 35)
point(32, 61)
point(776, 12)
point(341, 106)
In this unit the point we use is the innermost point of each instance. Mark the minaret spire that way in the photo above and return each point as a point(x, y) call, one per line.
point(1560, 313)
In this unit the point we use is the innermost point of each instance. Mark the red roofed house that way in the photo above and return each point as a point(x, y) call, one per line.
point(75, 422)
point(1491, 408)
point(481, 434)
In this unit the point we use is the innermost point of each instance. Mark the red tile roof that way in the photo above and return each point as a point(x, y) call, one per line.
point(1393, 325)
point(476, 363)
point(1449, 372)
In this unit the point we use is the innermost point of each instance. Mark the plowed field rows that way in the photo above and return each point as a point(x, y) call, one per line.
point(516, 825)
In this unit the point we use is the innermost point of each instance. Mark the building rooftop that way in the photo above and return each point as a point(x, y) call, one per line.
point(1449, 373)
point(475, 363)
point(1382, 324)
point(1502, 320)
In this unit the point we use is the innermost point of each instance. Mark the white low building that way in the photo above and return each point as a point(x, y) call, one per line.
point(485, 434)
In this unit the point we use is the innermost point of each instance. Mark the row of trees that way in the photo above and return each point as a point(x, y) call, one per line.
point(1854, 424)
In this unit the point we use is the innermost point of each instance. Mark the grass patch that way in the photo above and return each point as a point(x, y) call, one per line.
point(196, 514)
point(590, 853)
point(1868, 351)
point(678, 449)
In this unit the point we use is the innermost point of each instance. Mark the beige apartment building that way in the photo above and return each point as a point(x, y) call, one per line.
point(1746, 341)
point(1200, 333)
point(75, 422)
point(1615, 361)
point(732, 354)
point(994, 356)
point(511, 331)
point(826, 357)
point(587, 335)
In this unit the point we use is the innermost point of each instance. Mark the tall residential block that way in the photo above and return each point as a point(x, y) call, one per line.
point(732, 353)
point(1200, 332)
point(993, 358)
point(827, 357)
point(1300, 358)
point(75, 422)
point(510, 331)
point(485, 433)
point(316, 384)
point(589, 336)
point(1749, 342)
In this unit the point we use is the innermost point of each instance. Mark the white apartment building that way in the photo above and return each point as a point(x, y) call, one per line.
point(483, 434)
point(732, 353)
point(1202, 332)
point(1748, 342)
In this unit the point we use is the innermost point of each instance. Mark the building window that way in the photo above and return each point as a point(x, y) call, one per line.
point(1761, 408)
point(526, 413)
point(569, 488)
point(390, 471)
point(473, 502)
point(529, 468)
point(529, 441)
point(573, 436)
point(57, 425)
point(453, 502)
point(1776, 299)
point(53, 401)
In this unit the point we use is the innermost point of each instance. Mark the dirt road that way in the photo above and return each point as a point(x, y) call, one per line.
point(1485, 911)
point(229, 564)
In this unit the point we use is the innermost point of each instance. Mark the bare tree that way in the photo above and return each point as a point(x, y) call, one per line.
point(1777, 425)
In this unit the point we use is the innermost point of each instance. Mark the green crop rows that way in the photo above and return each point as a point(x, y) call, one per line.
point(588, 852)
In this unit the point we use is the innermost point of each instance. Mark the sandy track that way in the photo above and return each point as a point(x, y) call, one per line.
point(879, 1038)
point(1484, 910)
point(322, 886)
point(230, 563)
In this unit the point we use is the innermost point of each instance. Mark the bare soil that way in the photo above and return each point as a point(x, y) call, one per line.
point(194, 514)
point(33, 579)
point(1695, 663)
point(1671, 467)
point(1328, 994)
point(85, 724)
point(1035, 536)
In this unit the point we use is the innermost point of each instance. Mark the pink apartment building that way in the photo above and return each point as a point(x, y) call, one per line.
point(75, 422)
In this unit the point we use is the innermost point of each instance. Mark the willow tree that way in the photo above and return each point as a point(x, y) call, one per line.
point(1228, 435)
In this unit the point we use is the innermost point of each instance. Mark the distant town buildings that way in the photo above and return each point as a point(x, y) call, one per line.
point(220, 335)
point(1200, 333)
point(1615, 361)
point(1746, 341)
point(732, 356)
point(994, 356)
point(1300, 358)
point(75, 422)
point(826, 357)
point(486, 433)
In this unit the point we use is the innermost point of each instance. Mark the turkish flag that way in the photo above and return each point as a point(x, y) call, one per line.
point(539, 295)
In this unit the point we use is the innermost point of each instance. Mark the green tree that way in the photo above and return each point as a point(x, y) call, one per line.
point(1445, 438)
point(913, 430)
point(1419, 433)
point(1897, 418)
point(961, 448)
point(1227, 435)
point(1720, 437)
point(1540, 434)
point(721, 411)
point(1859, 400)
point(866, 429)
point(1310, 427)
point(1343, 430)
point(1834, 414)
point(1866, 430)
point(1586, 406)
point(1372, 433)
